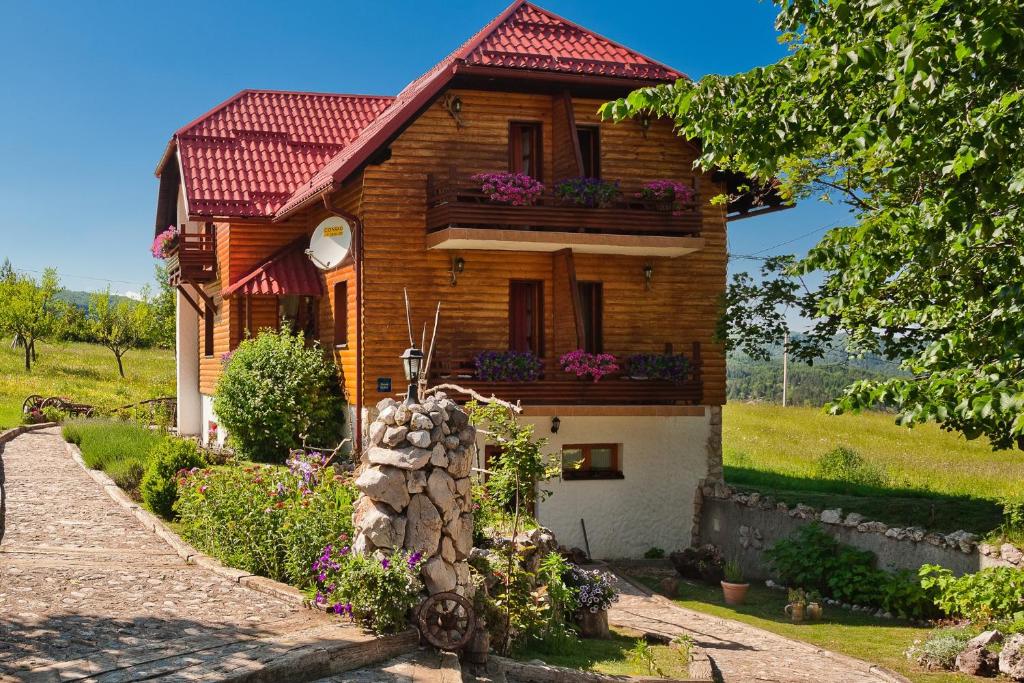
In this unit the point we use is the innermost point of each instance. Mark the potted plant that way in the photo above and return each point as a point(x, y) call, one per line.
point(584, 364)
point(814, 609)
point(588, 192)
point(670, 195)
point(165, 243)
point(595, 593)
point(658, 366)
point(508, 366)
point(516, 189)
point(734, 588)
point(797, 606)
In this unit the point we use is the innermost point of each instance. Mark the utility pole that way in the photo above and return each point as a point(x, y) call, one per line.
point(785, 366)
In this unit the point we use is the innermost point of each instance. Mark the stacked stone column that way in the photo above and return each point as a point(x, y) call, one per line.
point(415, 489)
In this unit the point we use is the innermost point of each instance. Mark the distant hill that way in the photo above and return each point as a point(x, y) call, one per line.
point(748, 379)
point(80, 299)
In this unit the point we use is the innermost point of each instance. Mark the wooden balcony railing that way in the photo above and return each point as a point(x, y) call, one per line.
point(193, 259)
point(560, 388)
point(455, 200)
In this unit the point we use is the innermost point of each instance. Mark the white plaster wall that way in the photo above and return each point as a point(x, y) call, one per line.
point(210, 419)
point(186, 347)
point(662, 458)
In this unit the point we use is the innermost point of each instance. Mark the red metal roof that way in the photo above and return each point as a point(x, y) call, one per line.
point(267, 154)
point(247, 156)
point(287, 271)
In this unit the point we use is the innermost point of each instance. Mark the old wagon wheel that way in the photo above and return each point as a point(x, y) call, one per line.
point(447, 620)
point(57, 402)
point(31, 402)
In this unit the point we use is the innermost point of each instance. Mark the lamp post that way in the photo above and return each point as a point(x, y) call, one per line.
point(412, 359)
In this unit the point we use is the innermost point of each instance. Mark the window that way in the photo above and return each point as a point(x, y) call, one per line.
point(591, 461)
point(298, 314)
point(341, 313)
point(592, 305)
point(590, 150)
point(526, 316)
point(524, 146)
point(208, 325)
point(243, 305)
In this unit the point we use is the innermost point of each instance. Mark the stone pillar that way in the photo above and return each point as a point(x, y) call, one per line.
point(713, 480)
point(415, 489)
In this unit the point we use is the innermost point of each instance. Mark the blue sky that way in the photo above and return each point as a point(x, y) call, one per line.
point(92, 91)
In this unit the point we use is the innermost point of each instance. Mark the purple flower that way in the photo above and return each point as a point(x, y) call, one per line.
point(414, 560)
point(385, 563)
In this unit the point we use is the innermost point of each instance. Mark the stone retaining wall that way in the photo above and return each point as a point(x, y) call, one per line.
point(743, 525)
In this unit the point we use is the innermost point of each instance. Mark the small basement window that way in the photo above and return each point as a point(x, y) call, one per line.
point(591, 461)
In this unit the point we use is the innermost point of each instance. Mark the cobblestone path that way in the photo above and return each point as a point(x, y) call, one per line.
point(86, 591)
point(742, 653)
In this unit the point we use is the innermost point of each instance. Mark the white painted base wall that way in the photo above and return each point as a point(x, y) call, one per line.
point(187, 369)
point(217, 433)
point(663, 458)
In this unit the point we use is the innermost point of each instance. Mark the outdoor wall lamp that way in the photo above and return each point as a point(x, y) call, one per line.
point(645, 123)
point(458, 265)
point(453, 105)
point(648, 276)
point(412, 359)
point(555, 424)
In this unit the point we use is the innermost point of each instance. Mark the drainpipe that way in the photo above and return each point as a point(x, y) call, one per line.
point(357, 258)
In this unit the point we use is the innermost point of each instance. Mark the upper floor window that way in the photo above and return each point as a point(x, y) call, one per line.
point(526, 316)
point(592, 305)
point(341, 313)
point(209, 322)
point(524, 146)
point(298, 314)
point(590, 149)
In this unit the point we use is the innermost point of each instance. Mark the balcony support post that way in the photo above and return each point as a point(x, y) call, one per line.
point(190, 300)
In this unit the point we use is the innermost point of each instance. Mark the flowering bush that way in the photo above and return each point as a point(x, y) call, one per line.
point(589, 192)
point(167, 462)
point(517, 189)
point(269, 520)
point(667, 367)
point(508, 366)
point(593, 588)
point(584, 364)
point(165, 242)
point(377, 592)
point(668, 191)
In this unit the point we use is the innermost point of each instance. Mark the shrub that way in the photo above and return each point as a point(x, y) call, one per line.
point(167, 463)
point(844, 464)
point(589, 192)
point(273, 391)
point(268, 520)
point(378, 593)
point(992, 593)
point(941, 647)
point(508, 366)
point(659, 366)
point(121, 449)
point(654, 553)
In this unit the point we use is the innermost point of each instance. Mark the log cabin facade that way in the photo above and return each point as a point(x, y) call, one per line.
point(249, 181)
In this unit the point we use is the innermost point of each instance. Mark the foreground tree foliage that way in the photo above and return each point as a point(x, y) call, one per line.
point(910, 111)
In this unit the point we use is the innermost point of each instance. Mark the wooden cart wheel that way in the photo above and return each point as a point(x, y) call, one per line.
point(31, 402)
point(55, 402)
point(447, 620)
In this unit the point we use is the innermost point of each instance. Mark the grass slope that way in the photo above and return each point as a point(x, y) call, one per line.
point(86, 373)
point(941, 480)
point(612, 656)
point(858, 635)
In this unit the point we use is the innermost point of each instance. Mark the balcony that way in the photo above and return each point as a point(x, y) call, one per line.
point(192, 260)
point(460, 216)
point(559, 388)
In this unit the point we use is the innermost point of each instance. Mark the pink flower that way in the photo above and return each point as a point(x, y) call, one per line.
point(163, 242)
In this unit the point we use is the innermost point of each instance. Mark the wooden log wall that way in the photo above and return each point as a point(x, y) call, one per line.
point(681, 307)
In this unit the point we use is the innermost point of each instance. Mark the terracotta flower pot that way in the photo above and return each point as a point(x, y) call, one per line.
point(734, 593)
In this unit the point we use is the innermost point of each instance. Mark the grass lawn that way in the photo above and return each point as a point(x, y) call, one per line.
point(613, 656)
point(880, 641)
point(86, 373)
point(774, 449)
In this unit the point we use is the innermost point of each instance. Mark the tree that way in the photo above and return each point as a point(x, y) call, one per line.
point(29, 309)
point(165, 309)
point(121, 326)
point(911, 113)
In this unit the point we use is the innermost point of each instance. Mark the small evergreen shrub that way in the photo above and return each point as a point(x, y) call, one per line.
point(167, 464)
point(940, 649)
point(654, 553)
point(273, 390)
point(845, 464)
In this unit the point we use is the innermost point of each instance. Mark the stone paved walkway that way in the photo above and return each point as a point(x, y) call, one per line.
point(742, 653)
point(86, 591)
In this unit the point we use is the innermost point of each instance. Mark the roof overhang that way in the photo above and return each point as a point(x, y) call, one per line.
point(483, 239)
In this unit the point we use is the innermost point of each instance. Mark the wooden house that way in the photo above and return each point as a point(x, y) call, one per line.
point(247, 183)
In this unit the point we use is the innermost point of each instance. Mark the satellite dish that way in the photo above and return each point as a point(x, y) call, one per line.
point(330, 242)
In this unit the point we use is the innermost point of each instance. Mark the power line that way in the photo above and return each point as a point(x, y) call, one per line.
point(85, 277)
point(756, 256)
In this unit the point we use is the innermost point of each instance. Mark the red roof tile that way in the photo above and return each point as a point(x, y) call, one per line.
point(287, 271)
point(266, 154)
point(247, 156)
